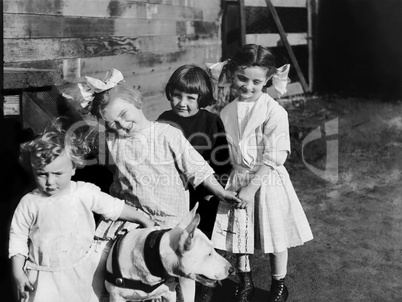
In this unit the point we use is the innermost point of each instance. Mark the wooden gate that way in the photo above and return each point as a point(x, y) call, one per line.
point(281, 23)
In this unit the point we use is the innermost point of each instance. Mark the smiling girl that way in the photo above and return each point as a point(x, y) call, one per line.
point(155, 164)
point(189, 91)
point(270, 216)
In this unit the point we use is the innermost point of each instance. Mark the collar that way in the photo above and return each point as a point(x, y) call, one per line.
point(152, 261)
point(152, 256)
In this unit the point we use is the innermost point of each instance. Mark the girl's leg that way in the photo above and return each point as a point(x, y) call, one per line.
point(243, 263)
point(279, 262)
point(245, 288)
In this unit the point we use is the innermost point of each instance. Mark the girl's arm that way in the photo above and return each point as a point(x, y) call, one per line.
point(215, 187)
point(131, 214)
point(21, 279)
point(247, 193)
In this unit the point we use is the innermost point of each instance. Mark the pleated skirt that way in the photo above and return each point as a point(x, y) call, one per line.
point(275, 222)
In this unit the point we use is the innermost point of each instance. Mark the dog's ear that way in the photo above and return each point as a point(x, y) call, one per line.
point(187, 237)
point(188, 218)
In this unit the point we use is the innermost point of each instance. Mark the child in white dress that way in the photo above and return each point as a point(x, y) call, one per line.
point(270, 216)
point(53, 252)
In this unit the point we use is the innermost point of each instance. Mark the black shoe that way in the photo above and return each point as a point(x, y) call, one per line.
point(245, 288)
point(279, 291)
point(204, 294)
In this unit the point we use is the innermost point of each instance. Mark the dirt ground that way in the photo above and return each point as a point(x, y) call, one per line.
point(356, 254)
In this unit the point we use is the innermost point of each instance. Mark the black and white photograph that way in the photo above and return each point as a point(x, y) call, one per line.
point(201, 151)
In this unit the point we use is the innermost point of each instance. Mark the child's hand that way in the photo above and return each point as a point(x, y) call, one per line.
point(133, 214)
point(230, 197)
point(23, 286)
point(147, 223)
point(20, 277)
point(247, 198)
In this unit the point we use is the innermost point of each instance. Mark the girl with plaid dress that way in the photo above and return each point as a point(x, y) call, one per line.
point(154, 161)
point(270, 216)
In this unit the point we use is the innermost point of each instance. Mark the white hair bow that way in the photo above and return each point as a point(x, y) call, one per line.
point(92, 85)
point(279, 80)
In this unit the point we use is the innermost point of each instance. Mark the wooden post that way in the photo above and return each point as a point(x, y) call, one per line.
point(242, 22)
point(310, 42)
point(285, 41)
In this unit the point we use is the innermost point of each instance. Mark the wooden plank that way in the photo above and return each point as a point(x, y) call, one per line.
point(147, 62)
point(21, 78)
point(149, 83)
point(204, 3)
point(20, 50)
point(155, 105)
point(59, 7)
point(106, 8)
point(139, 66)
point(273, 40)
point(33, 26)
point(212, 14)
point(198, 28)
point(277, 3)
point(137, 62)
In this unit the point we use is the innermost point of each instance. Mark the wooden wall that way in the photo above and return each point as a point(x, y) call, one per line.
point(145, 40)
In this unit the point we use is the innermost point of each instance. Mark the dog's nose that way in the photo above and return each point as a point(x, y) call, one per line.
point(231, 270)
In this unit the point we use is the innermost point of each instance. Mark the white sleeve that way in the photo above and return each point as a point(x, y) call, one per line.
point(102, 203)
point(22, 221)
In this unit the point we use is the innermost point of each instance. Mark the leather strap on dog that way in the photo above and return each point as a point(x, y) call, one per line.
point(152, 243)
point(152, 256)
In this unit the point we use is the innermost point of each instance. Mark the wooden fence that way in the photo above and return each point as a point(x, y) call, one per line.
point(51, 42)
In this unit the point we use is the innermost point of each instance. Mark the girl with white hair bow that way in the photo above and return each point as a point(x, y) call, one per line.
point(270, 216)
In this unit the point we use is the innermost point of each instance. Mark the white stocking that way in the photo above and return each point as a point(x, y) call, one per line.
point(279, 263)
point(243, 263)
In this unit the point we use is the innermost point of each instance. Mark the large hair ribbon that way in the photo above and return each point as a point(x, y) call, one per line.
point(92, 85)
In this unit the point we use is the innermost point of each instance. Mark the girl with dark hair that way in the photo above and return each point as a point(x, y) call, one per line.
point(189, 91)
point(270, 216)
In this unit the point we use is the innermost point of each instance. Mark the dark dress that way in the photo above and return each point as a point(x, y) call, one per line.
point(206, 133)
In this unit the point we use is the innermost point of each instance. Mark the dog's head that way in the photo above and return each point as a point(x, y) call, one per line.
point(196, 256)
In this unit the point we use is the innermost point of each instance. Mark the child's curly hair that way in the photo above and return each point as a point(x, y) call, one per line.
point(48, 145)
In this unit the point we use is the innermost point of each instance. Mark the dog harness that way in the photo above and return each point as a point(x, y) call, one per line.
point(152, 261)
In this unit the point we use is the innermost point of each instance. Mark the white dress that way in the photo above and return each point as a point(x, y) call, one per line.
point(276, 221)
point(56, 235)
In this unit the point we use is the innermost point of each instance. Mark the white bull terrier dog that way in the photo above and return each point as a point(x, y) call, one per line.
point(144, 263)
